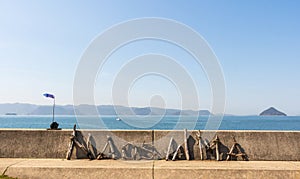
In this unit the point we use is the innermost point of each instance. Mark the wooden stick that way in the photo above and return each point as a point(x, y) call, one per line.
point(231, 150)
point(82, 147)
point(176, 152)
point(217, 148)
point(169, 148)
point(90, 147)
point(186, 149)
point(112, 150)
point(71, 144)
point(135, 153)
point(200, 145)
point(101, 154)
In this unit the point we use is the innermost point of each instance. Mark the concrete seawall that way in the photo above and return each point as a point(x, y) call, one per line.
point(258, 145)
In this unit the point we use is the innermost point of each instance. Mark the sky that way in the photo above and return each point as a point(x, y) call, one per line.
point(256, 42)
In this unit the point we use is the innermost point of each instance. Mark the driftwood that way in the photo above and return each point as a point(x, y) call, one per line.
point(81, 146)
point(146, 151)
point(239, 151)
point(169, 149)
point(216, 141)
point(200, 144)
point(129, 148)
point(74, 142)
point(71, 144)
point(90, 147)
point(150, 149)
point(111, 152)
point(186, 147)
point(177, 153)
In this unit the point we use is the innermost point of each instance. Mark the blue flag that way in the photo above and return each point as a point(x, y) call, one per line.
point(47, 95)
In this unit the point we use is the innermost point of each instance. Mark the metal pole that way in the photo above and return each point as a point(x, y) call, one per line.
point(53, 110)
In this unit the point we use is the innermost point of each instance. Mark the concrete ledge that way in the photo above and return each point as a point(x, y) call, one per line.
point(258, 145)
point(57, 168)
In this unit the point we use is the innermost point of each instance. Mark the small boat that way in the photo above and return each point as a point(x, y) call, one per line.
point(118, 119)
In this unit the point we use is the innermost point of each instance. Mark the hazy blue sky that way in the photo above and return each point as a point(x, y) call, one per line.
point(256, 42)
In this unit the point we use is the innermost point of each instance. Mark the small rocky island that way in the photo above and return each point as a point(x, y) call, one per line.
point(272, 112)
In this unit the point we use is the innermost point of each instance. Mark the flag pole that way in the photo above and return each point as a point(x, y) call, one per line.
point(53, 125)
point(53, 110)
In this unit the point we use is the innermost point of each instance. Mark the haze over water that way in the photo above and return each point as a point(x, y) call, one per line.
point(168, 122)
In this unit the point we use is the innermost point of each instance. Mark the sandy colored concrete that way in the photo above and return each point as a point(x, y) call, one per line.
point(58, 168)
point(258, 145)
point(5, 163)
point(231, 169)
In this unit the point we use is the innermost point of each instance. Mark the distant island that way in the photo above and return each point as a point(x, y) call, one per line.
point(11, 114)
point(84, 109)
point(272, 112)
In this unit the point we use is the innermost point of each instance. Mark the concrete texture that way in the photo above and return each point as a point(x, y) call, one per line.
point(258, 145)
point(59, 168)
point(33, 143)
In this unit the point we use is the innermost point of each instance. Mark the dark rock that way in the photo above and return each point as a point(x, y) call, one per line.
point(272, 112)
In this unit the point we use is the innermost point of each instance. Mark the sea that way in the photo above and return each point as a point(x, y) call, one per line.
point(286, 123)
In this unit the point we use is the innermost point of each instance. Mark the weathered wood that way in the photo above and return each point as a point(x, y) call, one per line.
point(231, 149)
point(217, 140)
point(112, 150)
point(176, 152)
point(169, 149)
point(200, 144)
point(124, 150)
point(186, 148)
point(90, 147)
point(79, 145)
point(135, 153)
point(101, 154)
point(71, 144)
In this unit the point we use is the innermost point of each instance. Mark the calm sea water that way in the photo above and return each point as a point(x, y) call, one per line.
point(167, 122)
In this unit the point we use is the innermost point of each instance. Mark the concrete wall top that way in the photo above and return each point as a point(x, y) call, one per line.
point(258, 145)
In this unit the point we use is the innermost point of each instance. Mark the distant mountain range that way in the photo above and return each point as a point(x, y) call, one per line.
point(32, 109)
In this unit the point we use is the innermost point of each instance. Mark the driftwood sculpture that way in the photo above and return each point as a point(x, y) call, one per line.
point(111, 151)
point(200, 144)
point(216, 143)
point(90, 146)
point(169, 149)
point(186, 147)
point(74, 142)
point(130, 151)
point(71, 144)
point(236, 147)
point(214, 146)
point(180, 151)
point(133, 152)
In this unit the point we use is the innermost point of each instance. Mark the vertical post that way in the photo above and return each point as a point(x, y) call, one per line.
point(217, 140)
point(53, 110)
point(186, 147)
